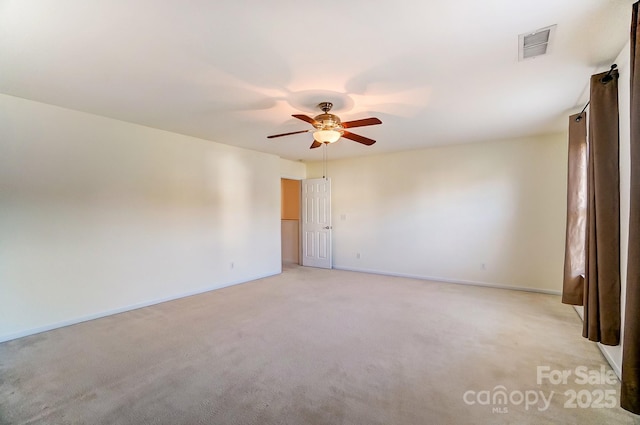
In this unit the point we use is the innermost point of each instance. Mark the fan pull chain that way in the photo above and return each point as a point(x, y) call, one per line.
point(324, 160)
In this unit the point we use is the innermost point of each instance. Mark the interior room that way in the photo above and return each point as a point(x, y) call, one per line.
point(328, 213)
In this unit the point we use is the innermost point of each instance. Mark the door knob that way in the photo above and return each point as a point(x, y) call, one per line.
point(327, 227)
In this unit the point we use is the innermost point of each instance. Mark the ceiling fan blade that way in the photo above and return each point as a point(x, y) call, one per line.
point(358, 138)
point(361, 123)
point(305, 118)
point(315, 144)
point(287, 134)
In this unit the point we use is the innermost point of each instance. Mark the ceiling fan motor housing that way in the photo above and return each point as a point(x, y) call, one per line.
point(328, 122)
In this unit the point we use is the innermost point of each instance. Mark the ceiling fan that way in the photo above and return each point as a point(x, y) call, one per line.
point(327, 128)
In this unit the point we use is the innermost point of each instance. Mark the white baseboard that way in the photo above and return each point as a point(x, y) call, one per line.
point(579, 311)
point(447, 280)
point(76, 320)
point(614, 365)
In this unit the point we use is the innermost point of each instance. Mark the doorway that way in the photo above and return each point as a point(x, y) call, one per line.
point(290, 221)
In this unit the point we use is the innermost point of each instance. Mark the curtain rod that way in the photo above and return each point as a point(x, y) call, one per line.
point(604, 80)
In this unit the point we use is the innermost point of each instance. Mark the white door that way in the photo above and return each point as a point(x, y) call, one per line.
point(316, 223)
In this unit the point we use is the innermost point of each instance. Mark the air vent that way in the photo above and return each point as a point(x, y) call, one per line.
point(536, 43)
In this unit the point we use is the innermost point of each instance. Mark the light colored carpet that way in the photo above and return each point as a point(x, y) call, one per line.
point(311, 346)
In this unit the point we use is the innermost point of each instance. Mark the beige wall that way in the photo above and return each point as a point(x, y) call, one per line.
point(290, 199)
point(99, 216)
point(290, 230)
point(490, 213)
point(295, 170)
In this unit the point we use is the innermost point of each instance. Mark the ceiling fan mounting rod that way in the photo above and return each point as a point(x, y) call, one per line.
point(325, 106)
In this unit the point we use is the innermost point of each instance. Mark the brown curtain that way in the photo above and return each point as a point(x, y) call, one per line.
point(574, 255)
point(602, 277)
point(630, 390)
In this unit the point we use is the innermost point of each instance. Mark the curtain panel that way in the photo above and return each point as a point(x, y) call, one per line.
point(602, 261)
point(574, 254)
point(630, 389)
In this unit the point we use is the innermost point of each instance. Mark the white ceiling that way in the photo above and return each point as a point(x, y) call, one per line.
point(435, 72)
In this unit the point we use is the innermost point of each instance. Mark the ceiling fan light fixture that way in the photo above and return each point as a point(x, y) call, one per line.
point(328, 128)
point(326, 136)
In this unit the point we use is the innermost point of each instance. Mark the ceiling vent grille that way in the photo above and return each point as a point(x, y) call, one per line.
point(537, 43)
